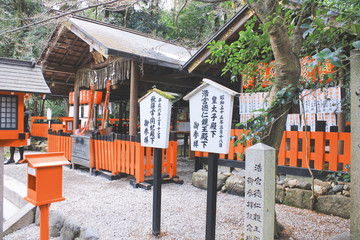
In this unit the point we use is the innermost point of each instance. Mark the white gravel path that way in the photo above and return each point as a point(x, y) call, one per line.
point(119, 211)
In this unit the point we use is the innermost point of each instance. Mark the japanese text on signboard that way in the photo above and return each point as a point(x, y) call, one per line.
point(210, 121)
point(155, 121)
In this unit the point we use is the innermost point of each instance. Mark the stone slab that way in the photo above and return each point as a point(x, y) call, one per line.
point(9, 209)
point(260, 192)
point(15, 191)
point(355, 146)
point(25, 216)
point(343, 236)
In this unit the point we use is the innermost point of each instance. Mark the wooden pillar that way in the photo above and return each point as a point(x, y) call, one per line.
point(76, 104)
point(1, 190)
point(340, 116)
point(133, 99)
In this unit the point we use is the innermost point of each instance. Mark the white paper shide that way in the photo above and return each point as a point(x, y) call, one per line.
point(155, 111)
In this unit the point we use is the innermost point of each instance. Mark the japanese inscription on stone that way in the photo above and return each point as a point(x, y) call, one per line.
point(155, 120)
point(210, 120)
point(259, 192)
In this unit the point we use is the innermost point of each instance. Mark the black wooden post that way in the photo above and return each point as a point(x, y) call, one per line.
point(211, 196)
point(157, 191)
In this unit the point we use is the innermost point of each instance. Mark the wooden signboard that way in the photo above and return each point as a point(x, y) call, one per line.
point(211, 107)
point(155, 112)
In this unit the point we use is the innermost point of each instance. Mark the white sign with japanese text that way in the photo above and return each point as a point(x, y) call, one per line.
point(48, 114)
point(155, 113)
point(210, 120)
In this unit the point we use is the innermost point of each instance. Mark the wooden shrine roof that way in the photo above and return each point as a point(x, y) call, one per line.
point(83, 44)
point(21, 76)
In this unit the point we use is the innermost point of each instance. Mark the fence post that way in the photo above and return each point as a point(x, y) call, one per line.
point(123, 152)
point(1, 189)
point(157, 191)
point(211, 196)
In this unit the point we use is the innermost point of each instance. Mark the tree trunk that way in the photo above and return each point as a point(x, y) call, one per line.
point(287, 65)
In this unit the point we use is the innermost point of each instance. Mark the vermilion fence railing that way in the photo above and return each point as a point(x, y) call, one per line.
point(324, 149)
point(120, 153)
point(40, 129)
point(60, 142)
point(124, 154)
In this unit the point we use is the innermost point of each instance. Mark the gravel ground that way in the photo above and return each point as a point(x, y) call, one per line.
point(119, 211)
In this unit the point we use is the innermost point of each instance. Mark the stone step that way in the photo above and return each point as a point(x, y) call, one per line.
point(9, 209)
point(18, 213)
point(15, 191)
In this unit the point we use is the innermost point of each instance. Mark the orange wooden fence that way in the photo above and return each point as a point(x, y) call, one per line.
point(60, 142)
point(323, 149)
point(234, 151)
point(120, 153)
point(40, 129)
point(124, 154)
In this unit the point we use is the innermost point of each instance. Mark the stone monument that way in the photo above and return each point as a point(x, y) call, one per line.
point(355, 146)
point(259, 192)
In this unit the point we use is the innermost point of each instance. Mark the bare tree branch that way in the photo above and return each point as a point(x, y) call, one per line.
point(59, 16)
point(176, 20)
point(211, 1)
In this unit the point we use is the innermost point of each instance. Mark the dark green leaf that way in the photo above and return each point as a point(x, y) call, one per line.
point(356, 44)
point(305, 26)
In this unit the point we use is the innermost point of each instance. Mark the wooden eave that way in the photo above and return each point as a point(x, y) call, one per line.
point(228, 33)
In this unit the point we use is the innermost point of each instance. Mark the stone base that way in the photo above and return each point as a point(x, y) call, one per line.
point(343, 236)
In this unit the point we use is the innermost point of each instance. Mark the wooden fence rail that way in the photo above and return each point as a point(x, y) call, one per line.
point(324, 149)
point(120, 153)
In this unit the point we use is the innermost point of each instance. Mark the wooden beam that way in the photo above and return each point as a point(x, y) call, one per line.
point(90, 41)
point(58, 68)
point(69, 49)
point(60, 83)
point(133, 99)
point(85, 60)
point(68, 78)
point(107, 62)
point(52, 76)
point(76, 105)
point(86, 51)
point(52, 43)
point(179, 83)
point(58, 71)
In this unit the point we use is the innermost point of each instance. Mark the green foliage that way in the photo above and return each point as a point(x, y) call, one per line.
point(356, 44)
point(25, 44)
point(253, 46)
point(196, 22)
point(340, 176)
point(330, 29)
point(58, 106)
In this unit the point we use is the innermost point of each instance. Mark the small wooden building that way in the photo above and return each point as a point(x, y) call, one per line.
point(16, 79)
point(83, 51)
